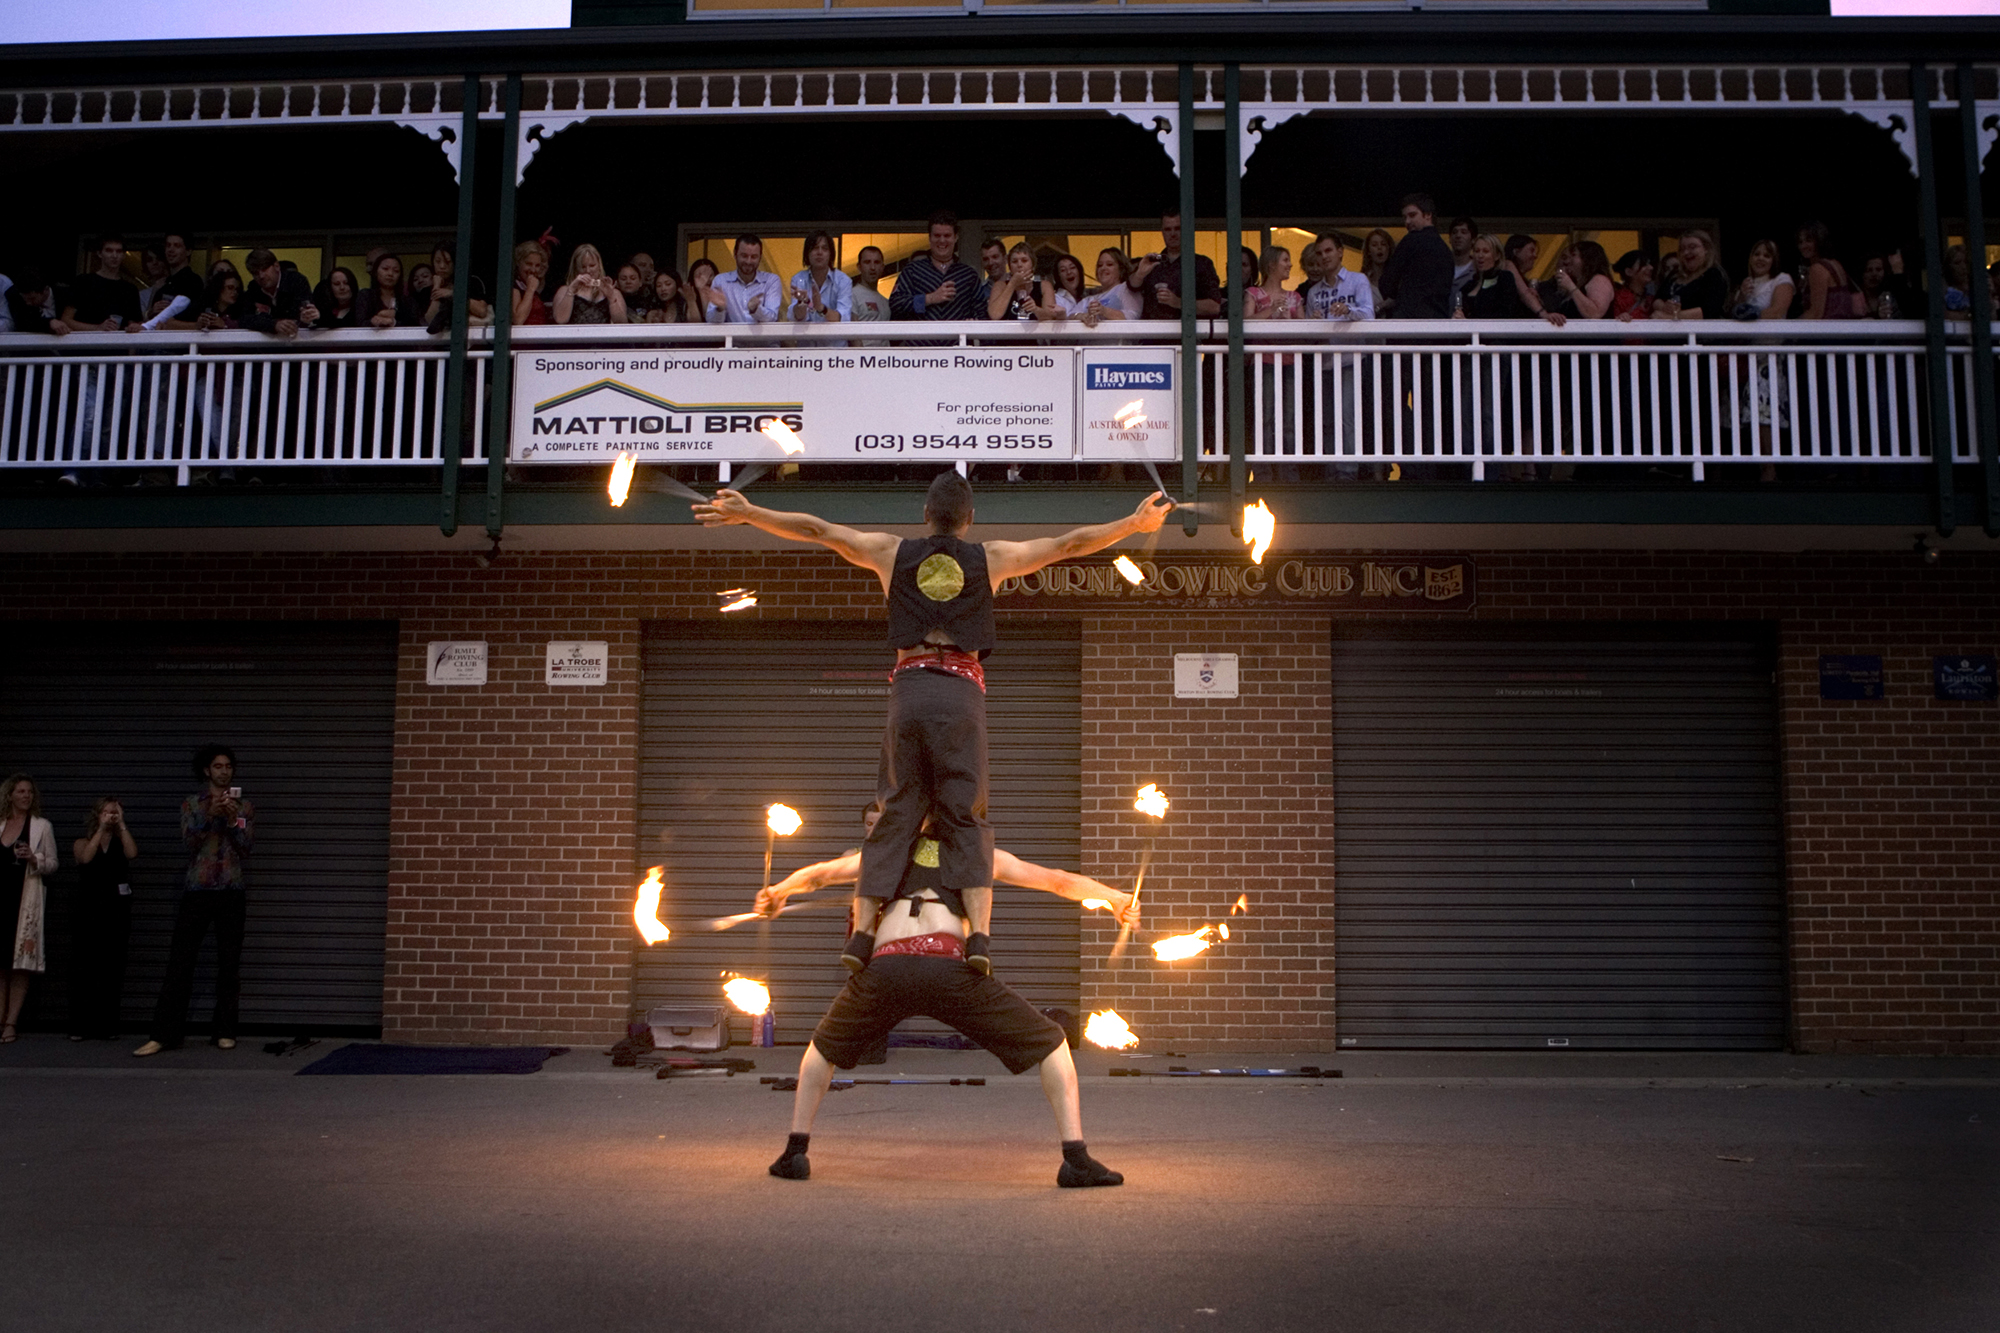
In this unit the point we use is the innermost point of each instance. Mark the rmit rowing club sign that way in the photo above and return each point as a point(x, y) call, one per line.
point(1426, 583)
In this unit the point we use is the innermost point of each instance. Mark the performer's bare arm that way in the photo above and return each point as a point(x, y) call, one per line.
point(870, 550)
point(1006, 560)
point(1007, 869)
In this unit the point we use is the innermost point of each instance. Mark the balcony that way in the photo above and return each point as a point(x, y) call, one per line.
point(1387, 421)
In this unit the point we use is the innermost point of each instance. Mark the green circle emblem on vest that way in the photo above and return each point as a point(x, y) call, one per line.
point(926, 853)
point(940, 578)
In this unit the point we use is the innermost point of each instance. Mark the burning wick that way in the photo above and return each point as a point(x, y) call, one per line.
point(621, 478)
point(1152, 801)
point(1108, 1030)
point(646, 909)
point(1176, 947)
point(1242, 904)
point(744, 597)
point(783, 436)
point(1131, 414)
point(1260, 525)
point(1094, 905)
point(783, 820)
point(752, 997)
point(1123, 564)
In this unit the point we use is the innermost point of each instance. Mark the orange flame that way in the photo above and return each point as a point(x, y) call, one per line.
point(1223, 930)
point(783, 436)
point(1176, 947)
point(1094, 905)
point(646, 909)
point(621, 478)
point(783, 820)
point(745, 597)
point(1260, 528)
point(1242, 905)
point(752, 997)
point(1123, 564)
point(1152, 801)
point(1108, 1030)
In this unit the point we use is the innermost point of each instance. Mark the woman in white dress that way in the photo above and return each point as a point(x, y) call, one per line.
point(1765, 294)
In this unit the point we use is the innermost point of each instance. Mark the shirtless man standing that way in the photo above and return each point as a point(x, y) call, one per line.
point(919, 968)
point(940, 592)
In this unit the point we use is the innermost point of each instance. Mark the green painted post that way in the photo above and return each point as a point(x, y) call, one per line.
point(1232, 231)
point(1191, 422)
point(451, 446)
point(500, 414)
point(1937, 403)
point(1981, 365)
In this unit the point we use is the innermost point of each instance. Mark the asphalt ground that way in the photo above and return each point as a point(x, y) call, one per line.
point(208, 1190)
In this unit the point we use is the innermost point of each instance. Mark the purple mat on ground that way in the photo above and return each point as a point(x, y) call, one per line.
point(368, 1058)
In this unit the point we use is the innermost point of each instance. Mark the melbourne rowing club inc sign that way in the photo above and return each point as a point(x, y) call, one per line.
point(1428, 583)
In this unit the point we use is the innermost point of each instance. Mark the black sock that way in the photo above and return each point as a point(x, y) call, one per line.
point(792, 1163)
point(1080, 1169)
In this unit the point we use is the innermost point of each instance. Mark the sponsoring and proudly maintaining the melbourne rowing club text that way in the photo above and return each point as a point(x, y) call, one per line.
point(854, 404)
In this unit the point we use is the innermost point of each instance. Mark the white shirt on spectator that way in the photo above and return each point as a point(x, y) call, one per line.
point(1349, 287)
point(736, 295)
point(866, 305)
point(1120, 297)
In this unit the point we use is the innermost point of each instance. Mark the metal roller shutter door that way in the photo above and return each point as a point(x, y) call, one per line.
point(737, 717)
point(309, 709)
point(1550, 841)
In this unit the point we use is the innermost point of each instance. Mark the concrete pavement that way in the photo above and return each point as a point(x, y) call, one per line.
point(209, 1191)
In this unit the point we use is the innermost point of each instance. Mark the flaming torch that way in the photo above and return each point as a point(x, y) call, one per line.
point(1108, 1030)
point(1174, 948)
point(1152, 802)
point(621, 478)
point(646, 908)
point(1260, 526)
point(783, 436)
point(780, 821)
point(754, 999)
point(1124, 565)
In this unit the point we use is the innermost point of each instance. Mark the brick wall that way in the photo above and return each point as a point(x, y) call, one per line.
point(512, 860)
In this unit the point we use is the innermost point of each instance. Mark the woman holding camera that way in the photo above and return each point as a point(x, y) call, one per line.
point(104, 857)
point(30, 841)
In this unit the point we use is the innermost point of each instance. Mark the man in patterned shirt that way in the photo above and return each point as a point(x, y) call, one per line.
point(217, 825)
point(938, 286)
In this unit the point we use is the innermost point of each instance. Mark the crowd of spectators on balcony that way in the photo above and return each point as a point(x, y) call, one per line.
point(1458, 271)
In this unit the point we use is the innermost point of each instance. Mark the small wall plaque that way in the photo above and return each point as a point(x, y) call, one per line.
point(1965, 678)
point(579, 663)
point(455, 663)
point(1849, 677)
point(1204, 675)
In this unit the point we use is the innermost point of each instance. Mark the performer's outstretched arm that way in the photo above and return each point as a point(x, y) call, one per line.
point(1011, 869)
point(809, 879)
point(870, 550)
point(1006, 560)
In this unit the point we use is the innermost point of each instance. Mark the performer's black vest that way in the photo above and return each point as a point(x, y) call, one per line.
point(940, 583)
point(924, 874)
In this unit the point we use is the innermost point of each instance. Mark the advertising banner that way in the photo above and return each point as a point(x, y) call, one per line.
point(852, 404)
point(1130, 404)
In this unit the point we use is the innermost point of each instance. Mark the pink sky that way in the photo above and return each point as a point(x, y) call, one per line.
point(112, 20)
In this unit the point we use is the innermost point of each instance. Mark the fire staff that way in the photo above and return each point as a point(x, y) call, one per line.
point(940, 591)
point(919, 968)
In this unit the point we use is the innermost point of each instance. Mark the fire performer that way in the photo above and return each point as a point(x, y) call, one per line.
point(1007, 869)
point(919, 967)
point(940, 592)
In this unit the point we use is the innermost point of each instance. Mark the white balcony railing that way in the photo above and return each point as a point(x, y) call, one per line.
point(1325, 399)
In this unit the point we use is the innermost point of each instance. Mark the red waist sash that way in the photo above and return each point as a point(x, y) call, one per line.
point(938, 945)
point(951, 661)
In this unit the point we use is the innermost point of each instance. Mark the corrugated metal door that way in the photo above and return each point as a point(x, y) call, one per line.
point(737, 717)
point(1557, 841)
point(92, 708)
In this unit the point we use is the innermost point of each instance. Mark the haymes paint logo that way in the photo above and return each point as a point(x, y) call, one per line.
point(1131, 377)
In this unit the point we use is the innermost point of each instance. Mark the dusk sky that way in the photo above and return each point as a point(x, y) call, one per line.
point(103, 20)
